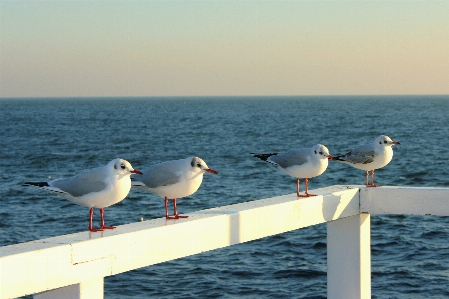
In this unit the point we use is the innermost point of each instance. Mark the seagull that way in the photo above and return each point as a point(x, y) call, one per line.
point(300, 163)
point(94, 188)
point(172, 180)
point(370, 156)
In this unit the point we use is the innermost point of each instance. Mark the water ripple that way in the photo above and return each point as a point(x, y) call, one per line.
point(55, 138)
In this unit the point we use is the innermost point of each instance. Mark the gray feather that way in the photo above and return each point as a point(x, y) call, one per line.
point(156, 176)
point(363, 154)
point(86, 182)
point(290, 158)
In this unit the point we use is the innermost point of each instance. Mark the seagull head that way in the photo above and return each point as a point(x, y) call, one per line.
point(123, 167)
point(321, 151)
point(384, 140)
point(198, 164)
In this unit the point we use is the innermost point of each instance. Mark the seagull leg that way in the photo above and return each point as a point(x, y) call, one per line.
point(175, 210)
point(102, 220)
point(367, 173)
point(91, 214)
point(166, 207)
point(372, 179)
point(307, 189)
point(297, 187)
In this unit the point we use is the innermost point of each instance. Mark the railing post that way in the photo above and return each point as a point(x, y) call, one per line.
point(93, 288)
point(349, 258)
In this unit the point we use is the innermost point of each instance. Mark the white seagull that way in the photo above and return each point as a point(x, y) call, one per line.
point(303, 163)
point(95, 188)
point(172, 180)
point(370, 156)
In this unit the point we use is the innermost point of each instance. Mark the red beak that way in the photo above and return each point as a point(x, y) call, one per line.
point(330, 157)
point(211, 171)
point(395, 142)
point(136, 172)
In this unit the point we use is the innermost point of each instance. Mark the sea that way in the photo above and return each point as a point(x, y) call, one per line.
point(49, 138)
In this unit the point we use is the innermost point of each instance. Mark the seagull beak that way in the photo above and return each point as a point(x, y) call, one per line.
point(395, 142)
point(330, 157)
point(136, 171)
point(211, 171)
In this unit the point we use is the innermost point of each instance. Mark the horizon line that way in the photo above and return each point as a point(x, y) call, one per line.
point(220, 96)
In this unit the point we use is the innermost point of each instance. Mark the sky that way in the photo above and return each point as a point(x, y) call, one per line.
point(223, 48)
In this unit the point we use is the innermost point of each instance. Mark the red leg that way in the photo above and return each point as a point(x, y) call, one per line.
point(166, 207)
point(175, 210)
point(91, 214)
point(367, 173)
point(372, 180)
point(307, 189)
point(297, 187)
point(102, 221)
point(307, 194)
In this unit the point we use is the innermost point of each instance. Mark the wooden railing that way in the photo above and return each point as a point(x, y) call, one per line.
point(74, 266)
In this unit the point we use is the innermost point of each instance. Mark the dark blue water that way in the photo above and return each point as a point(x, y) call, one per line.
point(50, 138)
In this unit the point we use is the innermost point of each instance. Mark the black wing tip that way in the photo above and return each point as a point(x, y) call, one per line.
point(137, 183)
point(341, 157)
point(263, 157)
point(36, 184)
point(337, 158)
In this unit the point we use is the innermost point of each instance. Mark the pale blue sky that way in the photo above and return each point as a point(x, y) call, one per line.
point(189, 48)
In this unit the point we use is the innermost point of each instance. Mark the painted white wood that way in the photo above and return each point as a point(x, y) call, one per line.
point(33, 267)
point(52, 263)
point(93, 288)
point(405, 200)
point(75, 259)
point(349, 258)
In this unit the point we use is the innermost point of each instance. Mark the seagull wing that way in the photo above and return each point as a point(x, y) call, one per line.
point(363, 154)
point(156, 176)
point(290, 158)
point(86, 182)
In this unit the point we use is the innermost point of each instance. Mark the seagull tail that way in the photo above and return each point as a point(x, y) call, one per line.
point(45, 186)
point(36, 184)
point(339, 158)
point(263, 157)
point(136, 183)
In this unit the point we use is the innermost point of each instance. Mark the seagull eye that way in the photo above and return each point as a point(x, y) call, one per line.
point(122, 166)
point(321, 153)
point(199, 165)
point(385, 141)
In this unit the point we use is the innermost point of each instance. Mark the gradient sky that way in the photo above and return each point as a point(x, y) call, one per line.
point(189, 48)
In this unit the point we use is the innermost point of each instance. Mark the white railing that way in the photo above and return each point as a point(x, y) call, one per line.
point(74, 266)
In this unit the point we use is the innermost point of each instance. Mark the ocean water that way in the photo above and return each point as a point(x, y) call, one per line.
point(50, 138)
